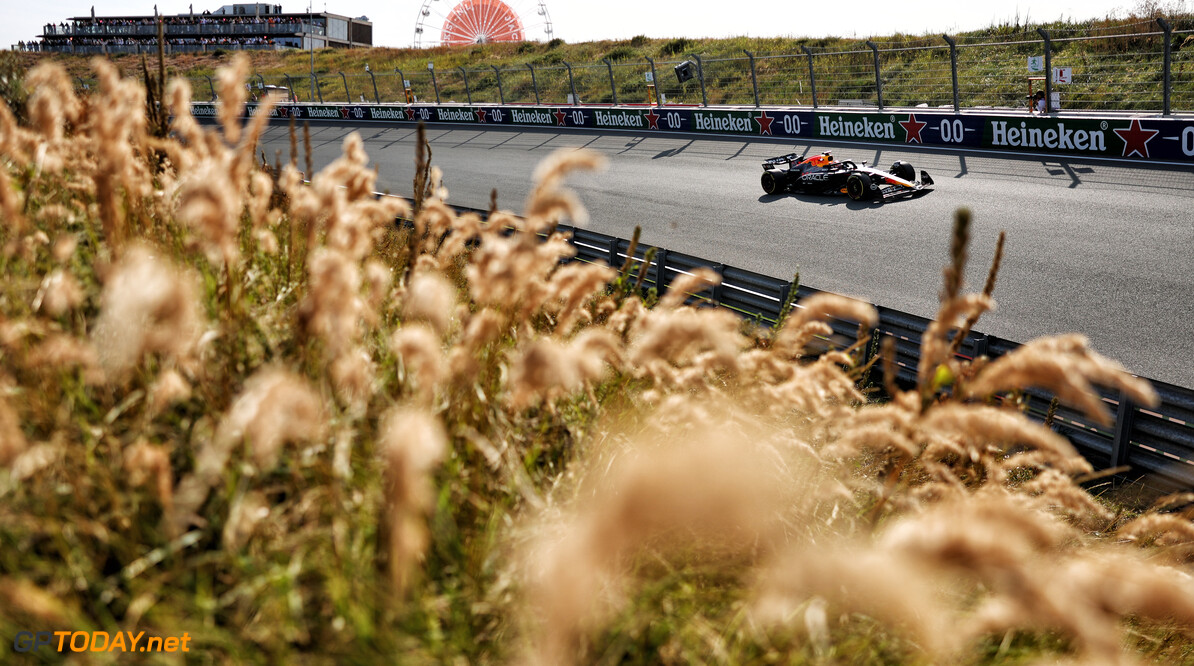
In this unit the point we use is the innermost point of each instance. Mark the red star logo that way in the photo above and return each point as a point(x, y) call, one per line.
point(652, 119)
point(480, 115)
point(282, 111)
point(343, 112)
point(410, 113)
point(913, 127)
point(764, 122)
point(560, 116)
point(1136, 139)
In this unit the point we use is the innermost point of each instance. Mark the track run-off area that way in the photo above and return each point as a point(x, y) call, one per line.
point(1103, 248)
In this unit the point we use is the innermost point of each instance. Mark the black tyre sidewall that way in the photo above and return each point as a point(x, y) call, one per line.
point(858, 186)
point(770, 179)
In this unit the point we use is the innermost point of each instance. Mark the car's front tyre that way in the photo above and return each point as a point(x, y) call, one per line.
point(858, 187)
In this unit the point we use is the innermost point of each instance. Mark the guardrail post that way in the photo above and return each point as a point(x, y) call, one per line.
point(572, 84)
point(501, 94)
point(953, 68)
point(812, 79)
point(701, 78)
point(434, 83)
point(613, 90)
point(878, 76)
point(467, 92)
point(376, 97)
point(655, 82)
point(1166, 63)
point(534, 82)
point(1048, 70)
point(1124, 417)
point(754, 79)
point(719, 288)
point(660, 271)
point(347, 96)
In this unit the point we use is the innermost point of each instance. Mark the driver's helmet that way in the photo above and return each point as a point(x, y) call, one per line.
point(824, 159)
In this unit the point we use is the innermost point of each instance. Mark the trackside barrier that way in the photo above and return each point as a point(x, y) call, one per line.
point(1122, 137)
point(1157, 444)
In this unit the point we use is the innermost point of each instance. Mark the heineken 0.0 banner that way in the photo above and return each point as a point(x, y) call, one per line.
point(1149, 139)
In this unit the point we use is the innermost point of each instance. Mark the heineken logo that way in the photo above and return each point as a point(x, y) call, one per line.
point(618, 118)
point(459, 115)
point(722, 123)
point(862, 128)
point(531, 117)
point(376, 113)
point(204, 110)
point(319, 112)
point(1058, 138)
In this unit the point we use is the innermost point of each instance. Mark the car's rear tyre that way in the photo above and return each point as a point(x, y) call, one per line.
point(773, 183)
point(903, 170)
point(858, 187)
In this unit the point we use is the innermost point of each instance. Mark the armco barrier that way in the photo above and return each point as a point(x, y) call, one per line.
point(1156, 444)
point(1138, 138)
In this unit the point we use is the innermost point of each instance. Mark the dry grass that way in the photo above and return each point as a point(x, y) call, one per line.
point(256, 410)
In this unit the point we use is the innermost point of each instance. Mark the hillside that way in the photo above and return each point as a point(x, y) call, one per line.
point(1117, 65)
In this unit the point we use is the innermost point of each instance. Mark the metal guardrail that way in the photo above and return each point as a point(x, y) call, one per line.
point(1157, 444)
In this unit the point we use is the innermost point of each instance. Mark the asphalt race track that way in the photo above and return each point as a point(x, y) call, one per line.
point(1102, 248)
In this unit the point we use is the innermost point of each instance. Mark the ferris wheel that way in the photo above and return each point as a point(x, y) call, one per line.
point(448, 23)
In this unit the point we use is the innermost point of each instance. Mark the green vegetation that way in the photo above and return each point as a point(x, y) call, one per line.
point(256, 411)
point(1116, 62)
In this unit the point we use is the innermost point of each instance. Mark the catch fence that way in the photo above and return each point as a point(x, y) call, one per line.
point(1140, 67)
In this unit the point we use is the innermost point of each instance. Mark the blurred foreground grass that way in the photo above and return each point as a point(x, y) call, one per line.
point(257, 411)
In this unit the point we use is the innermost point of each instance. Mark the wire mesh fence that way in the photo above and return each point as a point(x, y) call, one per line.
point(1141, 67)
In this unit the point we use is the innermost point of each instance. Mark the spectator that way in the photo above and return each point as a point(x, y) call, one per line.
point(1038, 103)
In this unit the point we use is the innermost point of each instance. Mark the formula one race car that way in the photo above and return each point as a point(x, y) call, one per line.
point(821, 174)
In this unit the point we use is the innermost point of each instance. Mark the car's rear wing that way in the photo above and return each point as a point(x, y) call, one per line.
point(783, 159)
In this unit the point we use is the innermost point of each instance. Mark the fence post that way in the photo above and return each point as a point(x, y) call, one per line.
point(467, 91)
point(1048, 70)
point(401, 84)
point(655, 81)
point(293, 96)
point(501, 93)
point(260, 80)
point(754, 79)
point(434, 83)
point(376, 97)
point(347, 96)
point(1167, 63)
point(318, 89)
point(212, 85)
point(701, 78)
point(613, 90)
point(1125, 414)
point(572, 84)
point(534, 83)
point(953, 68)
point(812, 79)
point(878, 76)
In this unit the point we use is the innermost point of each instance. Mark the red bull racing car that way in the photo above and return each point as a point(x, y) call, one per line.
point(821, 174)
